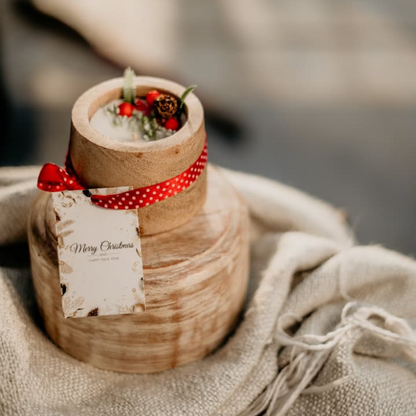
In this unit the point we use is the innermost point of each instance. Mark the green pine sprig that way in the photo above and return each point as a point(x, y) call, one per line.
point(184, 95)
point(129, 90)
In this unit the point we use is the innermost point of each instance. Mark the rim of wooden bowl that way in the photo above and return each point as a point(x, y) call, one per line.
point(99, 95)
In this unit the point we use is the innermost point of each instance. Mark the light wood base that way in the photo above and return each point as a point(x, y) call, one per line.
point(195, 284)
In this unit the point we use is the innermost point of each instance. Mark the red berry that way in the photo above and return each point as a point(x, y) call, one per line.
point(171, 124)
point(126, 109)
point(142, 106)
point(151, 96)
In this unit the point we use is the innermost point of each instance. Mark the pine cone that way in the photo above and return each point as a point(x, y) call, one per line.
point(166, 106)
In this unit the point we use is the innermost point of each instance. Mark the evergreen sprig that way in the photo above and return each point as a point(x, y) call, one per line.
point(184, 95)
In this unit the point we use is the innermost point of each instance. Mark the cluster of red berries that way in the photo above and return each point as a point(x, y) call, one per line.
point(145, 105)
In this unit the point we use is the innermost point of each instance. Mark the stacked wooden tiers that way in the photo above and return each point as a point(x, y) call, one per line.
point(194, 245)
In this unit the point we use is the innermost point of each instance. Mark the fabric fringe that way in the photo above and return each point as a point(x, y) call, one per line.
point(310, 352)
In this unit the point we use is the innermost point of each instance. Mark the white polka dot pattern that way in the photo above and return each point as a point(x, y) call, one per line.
point(148, 195)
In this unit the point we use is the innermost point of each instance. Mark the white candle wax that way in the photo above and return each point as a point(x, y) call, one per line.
point(103, 121)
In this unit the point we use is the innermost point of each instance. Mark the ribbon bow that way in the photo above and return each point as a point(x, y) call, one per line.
point(53, 178)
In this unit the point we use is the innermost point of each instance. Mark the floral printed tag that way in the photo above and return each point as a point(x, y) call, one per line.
point(99, 253)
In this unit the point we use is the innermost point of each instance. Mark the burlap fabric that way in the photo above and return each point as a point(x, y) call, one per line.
point(326, 331)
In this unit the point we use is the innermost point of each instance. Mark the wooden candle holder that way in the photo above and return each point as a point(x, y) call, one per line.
point(195, 275)
point(102, 162)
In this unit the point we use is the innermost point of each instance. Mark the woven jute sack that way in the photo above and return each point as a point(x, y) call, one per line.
point(326, 330)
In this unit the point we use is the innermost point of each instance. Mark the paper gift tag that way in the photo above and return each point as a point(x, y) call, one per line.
point(99, 253)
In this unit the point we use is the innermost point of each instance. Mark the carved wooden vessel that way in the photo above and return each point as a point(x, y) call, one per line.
point(195, 274)
point(102, 162)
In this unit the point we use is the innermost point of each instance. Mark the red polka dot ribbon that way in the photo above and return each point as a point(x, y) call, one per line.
point(52, 178)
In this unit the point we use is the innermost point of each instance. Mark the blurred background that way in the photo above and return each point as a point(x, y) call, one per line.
point(318, 94)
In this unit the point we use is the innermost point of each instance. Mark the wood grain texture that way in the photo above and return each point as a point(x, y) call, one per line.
point(100, 161)
point(195, 284)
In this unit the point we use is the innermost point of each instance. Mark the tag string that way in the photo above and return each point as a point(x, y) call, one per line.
point(53, 178)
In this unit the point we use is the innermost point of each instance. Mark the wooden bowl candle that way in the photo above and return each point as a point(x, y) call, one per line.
point(100, 161)
point(195, 274)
